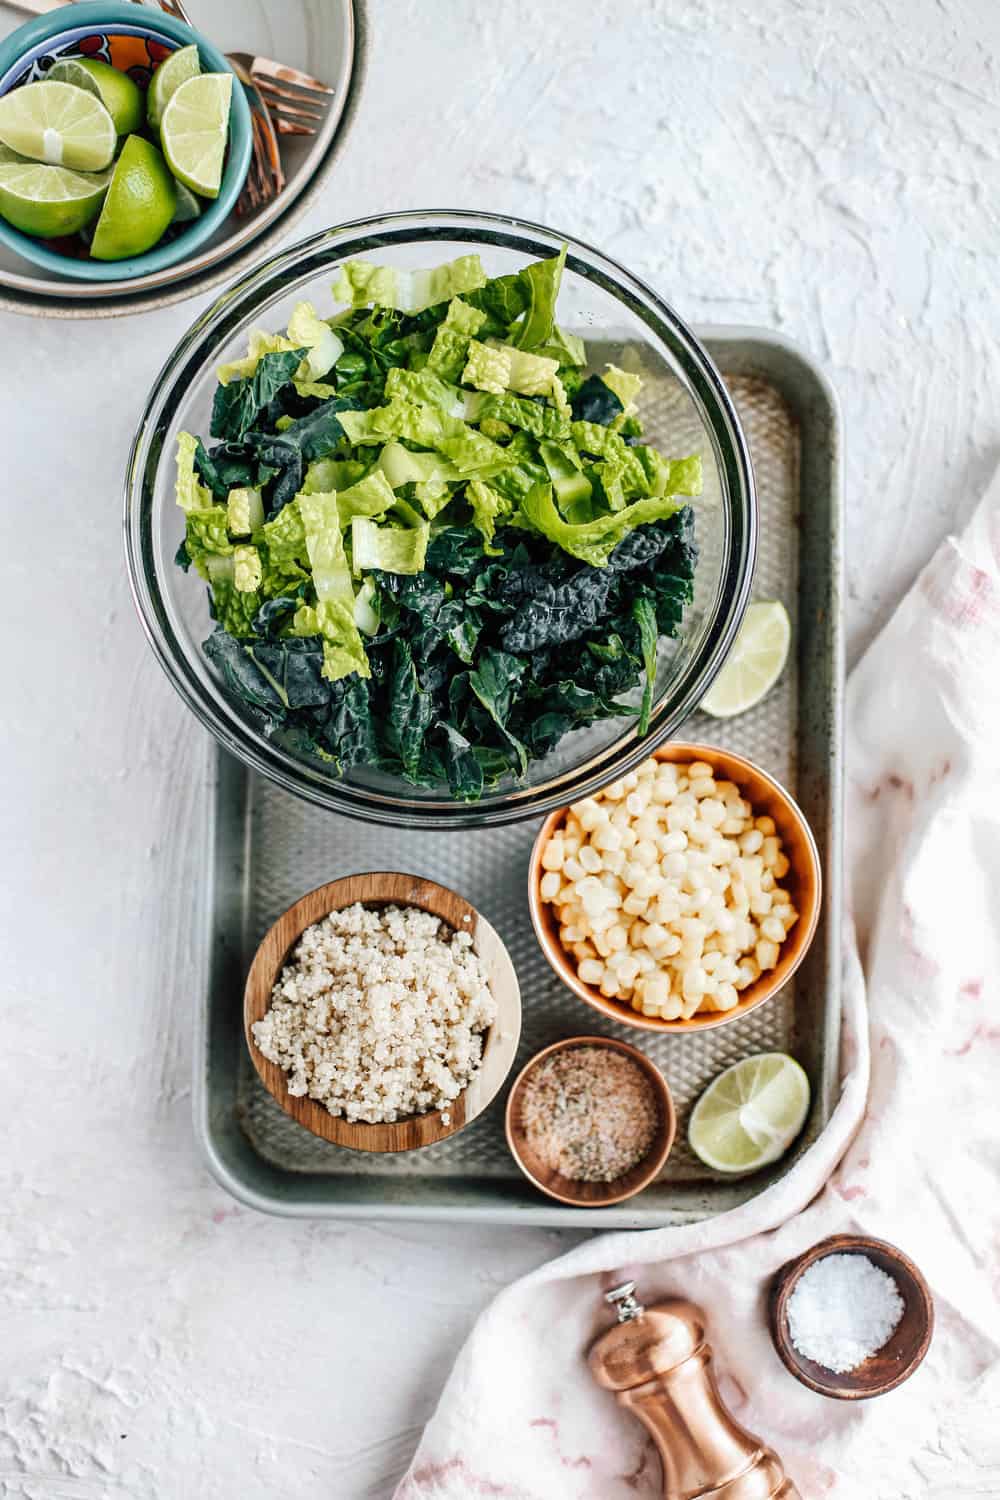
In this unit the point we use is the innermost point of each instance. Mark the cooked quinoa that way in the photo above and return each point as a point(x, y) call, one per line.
point(380, 1014)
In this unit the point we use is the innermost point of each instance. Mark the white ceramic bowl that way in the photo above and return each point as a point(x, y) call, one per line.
point(327, 38)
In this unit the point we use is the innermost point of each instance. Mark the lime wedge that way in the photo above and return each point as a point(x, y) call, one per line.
point(188, 205)
point(755, 662)
point(139, 205)
point(58, 124)
point(172, 72)
point(750, 1115)
point(6, 154)
point(49, 201)
point(71, 70)
point(194, 131)
point(122, 97)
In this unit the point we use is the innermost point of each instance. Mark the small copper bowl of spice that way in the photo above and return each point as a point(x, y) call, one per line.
point(590, 1121)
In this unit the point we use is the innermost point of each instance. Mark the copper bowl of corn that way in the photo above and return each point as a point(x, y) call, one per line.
point(680, 897)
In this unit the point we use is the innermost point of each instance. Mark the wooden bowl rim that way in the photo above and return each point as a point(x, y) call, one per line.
point(656, 1157)
point(309, 1112)
point(787, 1277)
point(762, 989)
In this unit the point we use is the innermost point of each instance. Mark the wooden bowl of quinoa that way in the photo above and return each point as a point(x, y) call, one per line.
point(774, 856)
point(382, 1012)
point(590, 1121)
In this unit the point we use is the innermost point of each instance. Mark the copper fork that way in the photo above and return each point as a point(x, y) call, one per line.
point(297, 101)
point(266, 176)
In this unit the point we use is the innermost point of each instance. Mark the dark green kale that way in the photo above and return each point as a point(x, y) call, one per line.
point(237, 405)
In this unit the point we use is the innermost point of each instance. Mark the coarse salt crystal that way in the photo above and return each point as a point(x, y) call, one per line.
point(842, 1311)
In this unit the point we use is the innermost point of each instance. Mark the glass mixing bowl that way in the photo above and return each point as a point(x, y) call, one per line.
point(685, 408)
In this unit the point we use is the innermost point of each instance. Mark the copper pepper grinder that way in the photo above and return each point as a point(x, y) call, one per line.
point(659, 1366)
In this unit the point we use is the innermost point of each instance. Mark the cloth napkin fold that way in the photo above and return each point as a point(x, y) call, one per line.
point(912, 1152)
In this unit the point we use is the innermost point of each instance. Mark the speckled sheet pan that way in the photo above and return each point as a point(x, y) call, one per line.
point(267, 848)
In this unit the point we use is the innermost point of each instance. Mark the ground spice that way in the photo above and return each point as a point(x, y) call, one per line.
point(589, 1113)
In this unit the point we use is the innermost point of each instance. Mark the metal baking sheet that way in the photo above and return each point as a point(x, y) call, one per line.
point(266, 848)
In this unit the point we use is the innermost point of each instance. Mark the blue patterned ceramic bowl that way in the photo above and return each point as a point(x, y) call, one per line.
point(117, 33)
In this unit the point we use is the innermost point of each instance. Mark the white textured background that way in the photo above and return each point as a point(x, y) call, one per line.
point(829, 169)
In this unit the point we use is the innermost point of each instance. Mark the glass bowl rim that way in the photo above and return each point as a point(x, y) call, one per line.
point(235, 308)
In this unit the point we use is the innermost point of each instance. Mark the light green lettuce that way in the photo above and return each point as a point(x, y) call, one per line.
point(307, 330)
point(519, 411)
point(259, 343)
point(244, 511)
point(675, 476)
point(402, 466)
point(433, 495)
point(489, 510)
point(343, 648)
point(285, 535)
point(542, 278)
point(360, 283)
point(331, 571)
point(332, 474)
point(565, 348)
point(371, 496)
point(625, 386)
point(592, 541)
point(190, 494)
point(248, 571)
point(571, 485)
point(500, 367)
point(428, 427)
point(393, 549)
point(207, 536)
point(449, 350)
point(426, 389)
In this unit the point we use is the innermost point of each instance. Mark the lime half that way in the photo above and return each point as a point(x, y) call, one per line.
point(750, 1115)
point(49, 201)
point(755, 662)
point(71, 70)
point(194, 131)
point(58, 124)
point(172, 72)
point(121, 94)
point(139, 205)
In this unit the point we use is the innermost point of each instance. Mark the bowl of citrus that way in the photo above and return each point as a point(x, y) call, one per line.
point(124, 142)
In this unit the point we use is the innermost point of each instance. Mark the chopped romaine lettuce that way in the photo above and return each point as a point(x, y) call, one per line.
point(190, 494)
point(390, 549)
point(625, 386)
point(448, 352)
point(307, 329)
point(207, 536)
point(402, 466)
point(343, 648)
point(360, 282)
point(371, 496)
point(489, 510)
point(331, 571)
point(244, 511)
point(594, 541)
point(248, 572)
point(542, 278)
